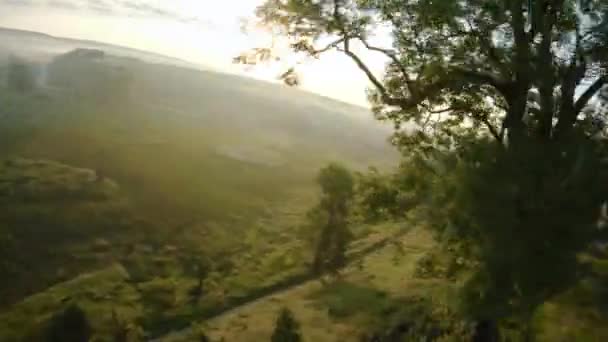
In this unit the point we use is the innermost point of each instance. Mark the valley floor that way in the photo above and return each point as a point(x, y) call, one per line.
point(386, 272)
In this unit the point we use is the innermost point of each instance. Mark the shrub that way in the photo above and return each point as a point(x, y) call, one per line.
point(71, 325)
point(287, 328)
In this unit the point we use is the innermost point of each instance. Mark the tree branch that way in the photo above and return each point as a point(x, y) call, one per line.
point(589, 93)
point(316, 52)
point(390, 54)
point(492, 129)
point(440, 111)
point(482, 77)
point(386, 98)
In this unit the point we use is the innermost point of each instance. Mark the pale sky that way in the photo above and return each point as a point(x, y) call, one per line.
point(199, 31)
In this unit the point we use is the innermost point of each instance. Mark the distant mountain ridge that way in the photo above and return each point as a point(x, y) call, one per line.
point(110, 48)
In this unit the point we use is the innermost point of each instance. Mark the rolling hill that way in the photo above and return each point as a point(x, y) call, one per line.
point(201, 165)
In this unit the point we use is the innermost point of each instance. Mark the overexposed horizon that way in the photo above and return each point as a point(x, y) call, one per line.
point(203, 34)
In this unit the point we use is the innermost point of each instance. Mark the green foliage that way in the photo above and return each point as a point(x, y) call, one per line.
point(97, 293)
point(49, 208)
point(337, 187)
point(71, 325)
point(287, 329)
point(389, 196)
point(417, 318)
point(159, 294)
point(336, 183)
point(529, 195)
point(344, 299)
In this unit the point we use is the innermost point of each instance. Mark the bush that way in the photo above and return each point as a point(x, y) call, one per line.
point(71, 325)
point(343, 299)
point(287, 328)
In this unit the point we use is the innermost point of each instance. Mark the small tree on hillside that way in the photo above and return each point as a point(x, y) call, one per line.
point(71, 325)
point(198, 268)
point(287, 328)
point(337, 191)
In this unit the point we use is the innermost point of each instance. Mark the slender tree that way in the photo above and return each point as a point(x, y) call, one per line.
point(337, 191)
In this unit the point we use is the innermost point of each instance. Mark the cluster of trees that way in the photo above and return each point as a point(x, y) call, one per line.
point(499, 108)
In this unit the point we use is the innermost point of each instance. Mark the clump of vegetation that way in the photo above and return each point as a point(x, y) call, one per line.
point(54, 210)
point(159, 293)
point(97, 293)
point(287, 329)
point(123, 330)
point(71, 325)
point(418, 318)
point(343, 299)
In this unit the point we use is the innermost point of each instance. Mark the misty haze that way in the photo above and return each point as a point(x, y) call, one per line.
point(297, 170)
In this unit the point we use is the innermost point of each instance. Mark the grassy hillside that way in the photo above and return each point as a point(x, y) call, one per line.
point(153, 168)
point(370, 293)
point(188, 144)
point(393, 294)
point(57, 220)
point(100, 293)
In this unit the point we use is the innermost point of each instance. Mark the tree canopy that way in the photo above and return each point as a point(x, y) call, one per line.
point(505, 68)
point(500, 107)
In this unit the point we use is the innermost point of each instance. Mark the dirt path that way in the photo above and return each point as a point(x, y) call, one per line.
point(303, 283)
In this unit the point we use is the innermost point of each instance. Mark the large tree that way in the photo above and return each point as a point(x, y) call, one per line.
point(503, 102)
